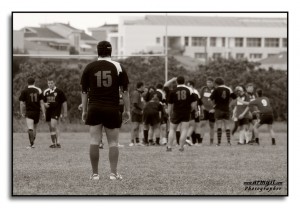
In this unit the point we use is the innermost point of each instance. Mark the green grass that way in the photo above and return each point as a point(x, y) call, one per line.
point(206, 170)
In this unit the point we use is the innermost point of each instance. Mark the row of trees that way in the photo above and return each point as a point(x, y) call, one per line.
point(150, 70)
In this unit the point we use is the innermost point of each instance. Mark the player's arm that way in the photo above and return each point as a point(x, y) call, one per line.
point(42, 104)
point(168, 83)
point(244, 113)
point(65, 109)
point(22, 108)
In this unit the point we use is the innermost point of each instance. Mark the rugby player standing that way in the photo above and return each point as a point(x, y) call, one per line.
point(100, 82)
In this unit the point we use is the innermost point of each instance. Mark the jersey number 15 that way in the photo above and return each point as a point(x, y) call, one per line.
point(104, 78)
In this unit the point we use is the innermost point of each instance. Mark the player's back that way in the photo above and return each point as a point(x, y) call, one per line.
point(102, 79)
point(182, 97)
point(221, 96)
point(31, 96)
point(263, 105)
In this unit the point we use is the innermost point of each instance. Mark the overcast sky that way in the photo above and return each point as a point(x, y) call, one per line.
point(87, 20)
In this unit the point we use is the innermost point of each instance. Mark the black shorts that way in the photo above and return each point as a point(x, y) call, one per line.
point(266, 119)
point(222, 115)
point(243, 121)
point(34, 115)
point(108, 117)
point(177, 118)
point(253, 117)
point(52, 113)
point(151, 119)
point(136, 117)
point(208, 116)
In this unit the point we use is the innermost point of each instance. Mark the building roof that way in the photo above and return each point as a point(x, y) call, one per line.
point(41, 33)
point(85, 36)
point(280, 58)
point(209, 21)
point(32, 46)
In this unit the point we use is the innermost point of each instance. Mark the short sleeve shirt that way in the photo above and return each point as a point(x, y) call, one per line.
point(263, 105)
point(102, 80)
point(31, 96)
point(136, 97)
point(55, 98)
point(222, 95)
point(205, 94)
point(182, 97)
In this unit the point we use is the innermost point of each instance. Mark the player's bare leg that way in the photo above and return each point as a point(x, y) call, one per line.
point(134, 133)
point(53, 125)
point(156, 133)
point(95, 135)
point(256, 132)
point(162, 132)
point(272, 134)
point(113, 152)
point(30, 126)
point(171, 136)
point(57, 135)
point(202, 129)
point(183, 134)
point(191, 129)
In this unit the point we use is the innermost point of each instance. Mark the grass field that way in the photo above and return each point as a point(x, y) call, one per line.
point(206, 170)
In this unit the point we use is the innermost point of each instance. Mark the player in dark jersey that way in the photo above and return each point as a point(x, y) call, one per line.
point(208, 110)
point(181, 102)
point(265, 115)
point(137, 113)
point(161, 95)
point(221, 97)
point(242, 114)
point(152, 114)
point(31, 99)
point(55, 101)
point(100, 82)
point(252, 110)
point(193, 133)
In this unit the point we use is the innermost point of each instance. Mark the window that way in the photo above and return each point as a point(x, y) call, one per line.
point(213, 41)
point(200, 55)
point(239, 55)
point(284, 42)
point(271, 42)
point(158, 40)
point(239, 42)
point(198, 41)
point(255, 55)
point(271, 55)
point(223, 42)
point(254, 42)
point(186, 41)
point(216, 55)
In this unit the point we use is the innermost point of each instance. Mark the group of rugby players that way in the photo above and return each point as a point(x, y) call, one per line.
point(169, 111)
point(185, 111)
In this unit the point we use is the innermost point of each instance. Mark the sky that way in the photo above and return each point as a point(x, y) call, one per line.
point(84, 21)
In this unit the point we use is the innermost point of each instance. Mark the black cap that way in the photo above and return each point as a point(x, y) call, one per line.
point(104, 48)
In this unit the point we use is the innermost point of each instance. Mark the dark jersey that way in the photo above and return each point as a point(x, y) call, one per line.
point(252, 97)
point(263, 105)
point(137, 99)
point(32, 96)
point(55, 98)
point(102, 80)
point(182, 97)
point(221, 96)
point(161, 95)
point(205, 94)
point(152, 108)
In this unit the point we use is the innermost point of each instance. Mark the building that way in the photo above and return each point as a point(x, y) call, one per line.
point(276, 62)
point(56, 38)
point(201, 38)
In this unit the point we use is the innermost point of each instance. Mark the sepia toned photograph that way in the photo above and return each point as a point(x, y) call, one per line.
point(149, 104)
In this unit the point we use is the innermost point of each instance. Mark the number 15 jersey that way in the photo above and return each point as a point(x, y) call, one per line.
point(101, 80)
point(182, 97)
